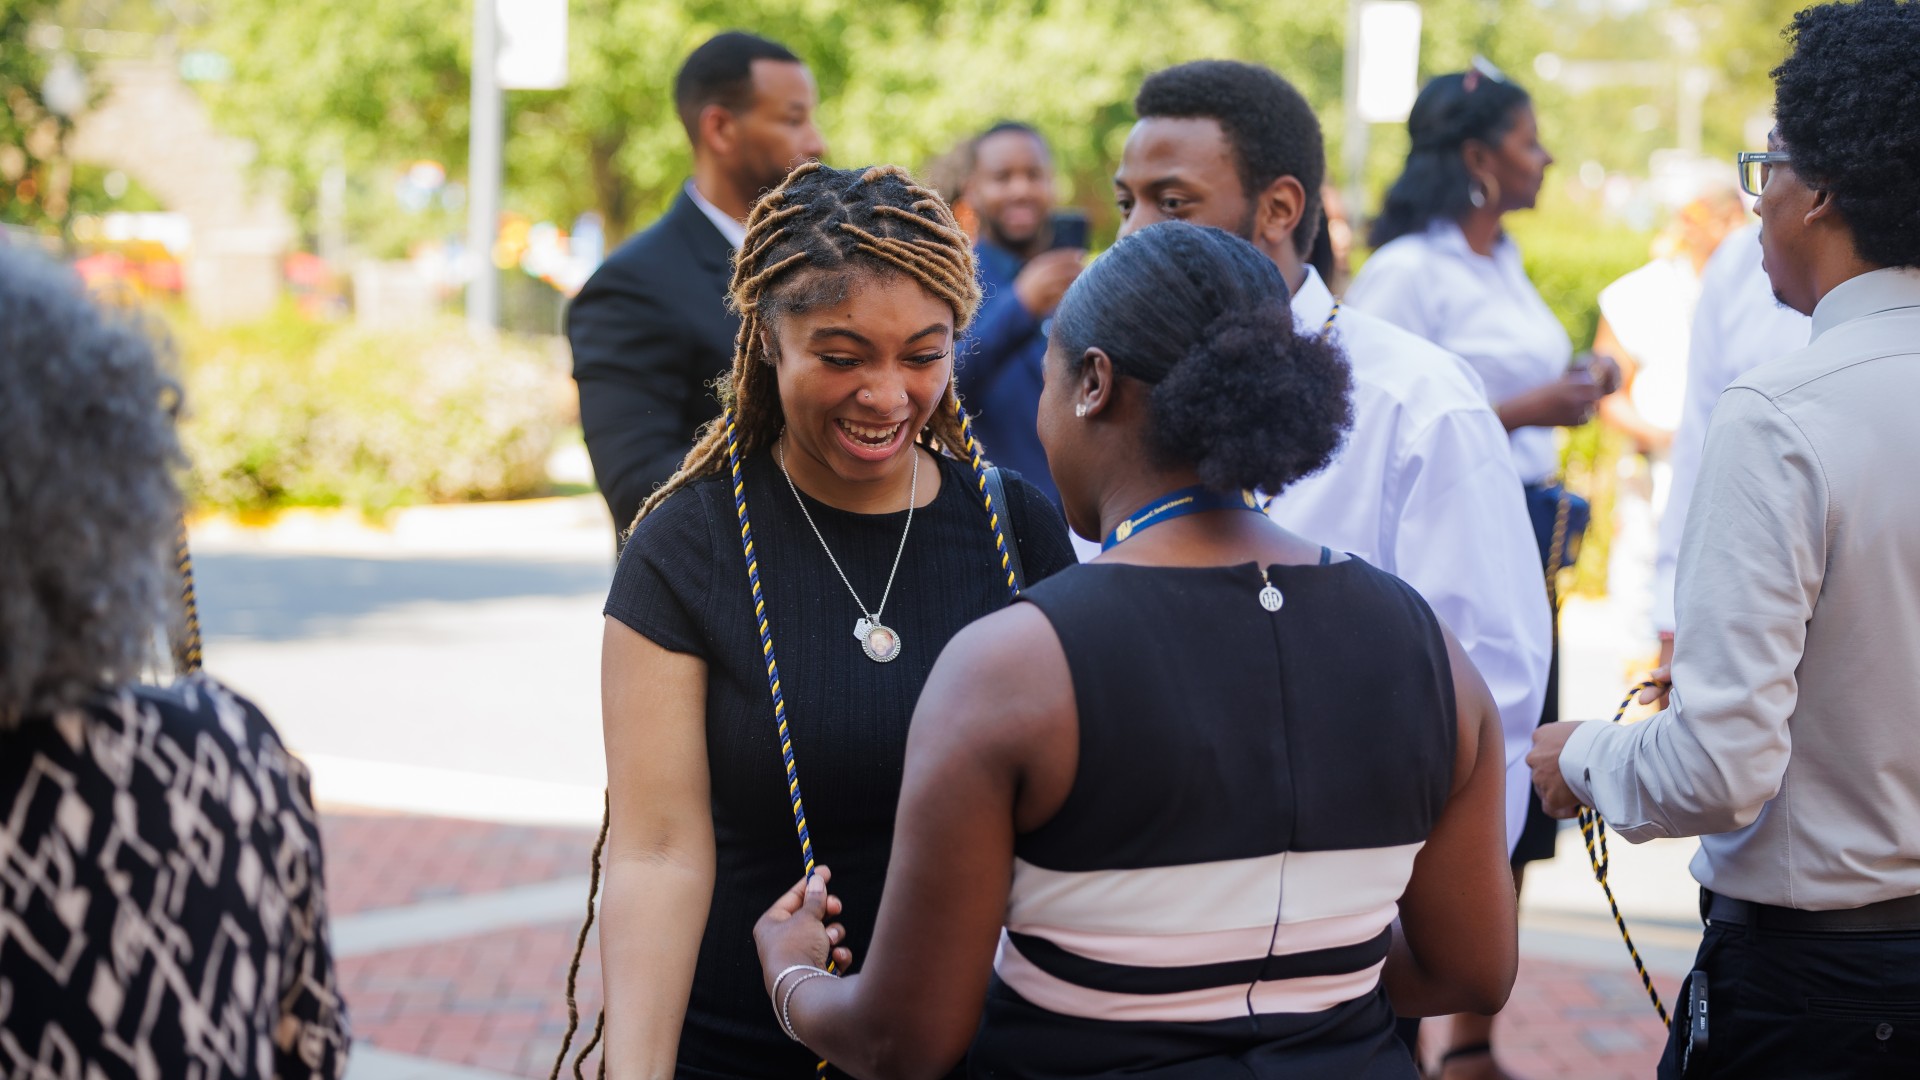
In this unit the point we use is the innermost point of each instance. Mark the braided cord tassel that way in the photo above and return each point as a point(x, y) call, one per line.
point(1556, 554)
point(1593, 829)
point(986, 497)
point(773, 665)
point(766, 647)
point(186, 651)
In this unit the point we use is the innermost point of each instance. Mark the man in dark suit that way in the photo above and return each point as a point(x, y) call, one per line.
point(651, 330)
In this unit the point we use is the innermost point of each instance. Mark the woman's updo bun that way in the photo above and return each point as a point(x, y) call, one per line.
point(1204, 317)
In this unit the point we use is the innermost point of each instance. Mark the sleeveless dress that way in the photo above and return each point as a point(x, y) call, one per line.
point(1215, 897)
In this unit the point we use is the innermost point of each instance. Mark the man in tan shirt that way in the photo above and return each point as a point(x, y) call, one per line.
point(1792, 745)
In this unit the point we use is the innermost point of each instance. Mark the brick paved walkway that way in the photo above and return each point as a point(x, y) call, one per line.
point(494, 1001)
point(1565, 1020)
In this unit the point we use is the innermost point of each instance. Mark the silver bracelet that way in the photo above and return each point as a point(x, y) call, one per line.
point(786, 1021)
point(774, 993)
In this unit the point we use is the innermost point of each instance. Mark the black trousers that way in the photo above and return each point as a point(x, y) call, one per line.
point(1804, 1006)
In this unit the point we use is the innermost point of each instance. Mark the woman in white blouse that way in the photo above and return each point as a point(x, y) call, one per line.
point(1445, 269)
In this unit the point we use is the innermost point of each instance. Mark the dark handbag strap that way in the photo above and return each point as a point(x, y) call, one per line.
point(997, 489)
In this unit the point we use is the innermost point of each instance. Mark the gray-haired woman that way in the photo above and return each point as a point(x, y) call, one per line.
point(162, 911)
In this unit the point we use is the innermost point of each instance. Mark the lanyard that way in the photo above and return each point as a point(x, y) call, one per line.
point(1177, 504)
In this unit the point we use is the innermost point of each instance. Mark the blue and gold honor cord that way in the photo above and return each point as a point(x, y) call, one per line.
point(794, 797)
point(1178, 504)
point(1594, 830)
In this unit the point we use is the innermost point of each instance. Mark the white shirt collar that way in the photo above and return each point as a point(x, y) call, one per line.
point(734, 231)
point(1447, 235)
point(1312, 303)
point(1869, 293)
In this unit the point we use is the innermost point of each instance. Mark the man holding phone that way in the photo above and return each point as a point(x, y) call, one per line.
point(1028, 255)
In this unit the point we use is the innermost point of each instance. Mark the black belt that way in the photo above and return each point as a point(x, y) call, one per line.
point(1901, 913)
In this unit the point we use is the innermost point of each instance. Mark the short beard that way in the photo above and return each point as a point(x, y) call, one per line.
point(1244, 230)
point(760, 177)
point(992, 231)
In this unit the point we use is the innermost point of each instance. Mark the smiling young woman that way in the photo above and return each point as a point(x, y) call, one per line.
point(825, 513)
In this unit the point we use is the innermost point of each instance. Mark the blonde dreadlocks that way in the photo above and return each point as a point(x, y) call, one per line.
point(820, 219)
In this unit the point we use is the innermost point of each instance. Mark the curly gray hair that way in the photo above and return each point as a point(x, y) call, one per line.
point(88, 502)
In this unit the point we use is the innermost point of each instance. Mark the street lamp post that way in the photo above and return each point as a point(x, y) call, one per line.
point(483, 170)
point(1354, 144)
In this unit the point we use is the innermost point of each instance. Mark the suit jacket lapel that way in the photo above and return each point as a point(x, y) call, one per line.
point(710, 250)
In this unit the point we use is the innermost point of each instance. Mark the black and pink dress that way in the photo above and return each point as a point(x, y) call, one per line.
point(1215, 898)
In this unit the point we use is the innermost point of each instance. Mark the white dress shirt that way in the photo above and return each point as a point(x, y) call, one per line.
point(1738, 325)
point(1651, 312)
point(734, 231)
point(1791, 747)
point(1424, 489)
point(1481, 308)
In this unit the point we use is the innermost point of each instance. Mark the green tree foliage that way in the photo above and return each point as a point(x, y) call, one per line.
point(34, 175)
point(371, 86)
point(1741, 44)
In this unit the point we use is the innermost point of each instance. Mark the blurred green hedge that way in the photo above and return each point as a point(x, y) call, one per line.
point(1571, 254)
point(290, 412)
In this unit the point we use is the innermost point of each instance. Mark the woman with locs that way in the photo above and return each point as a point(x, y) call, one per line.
point(778, 606)
point(1217, 804)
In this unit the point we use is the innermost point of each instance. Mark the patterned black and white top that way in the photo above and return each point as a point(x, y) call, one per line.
point(162, 908)
point(1215, 897)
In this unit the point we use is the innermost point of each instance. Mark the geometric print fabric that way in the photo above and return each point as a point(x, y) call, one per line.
point(162, 900)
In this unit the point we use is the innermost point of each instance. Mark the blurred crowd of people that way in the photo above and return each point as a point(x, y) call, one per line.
point(1136, 664)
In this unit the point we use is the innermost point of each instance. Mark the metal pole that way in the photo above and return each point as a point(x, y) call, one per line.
point(1355, 140)
point(483, 170)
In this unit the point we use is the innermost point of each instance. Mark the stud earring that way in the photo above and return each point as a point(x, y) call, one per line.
point(1080, 410)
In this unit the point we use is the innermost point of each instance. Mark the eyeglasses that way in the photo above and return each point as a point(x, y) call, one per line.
point(1756, 168)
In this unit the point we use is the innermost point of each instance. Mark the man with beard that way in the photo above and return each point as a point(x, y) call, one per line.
point(1424, 487)
point(1023, 273)
point(651, 330)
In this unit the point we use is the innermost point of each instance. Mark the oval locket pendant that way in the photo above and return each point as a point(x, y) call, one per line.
point(880, 643)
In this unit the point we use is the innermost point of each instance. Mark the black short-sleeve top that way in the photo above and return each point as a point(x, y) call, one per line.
point(682, 582)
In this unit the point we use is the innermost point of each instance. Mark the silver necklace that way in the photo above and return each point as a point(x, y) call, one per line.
point(880, 642)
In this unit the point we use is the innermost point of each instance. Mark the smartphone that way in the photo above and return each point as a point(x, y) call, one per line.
point(1696, 1043)
point(1069, 230)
